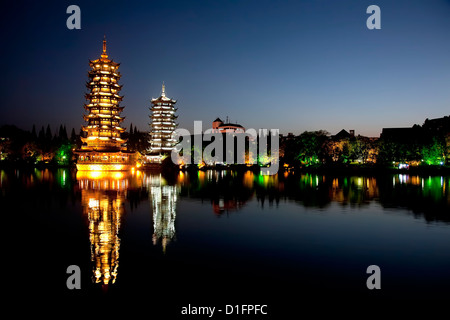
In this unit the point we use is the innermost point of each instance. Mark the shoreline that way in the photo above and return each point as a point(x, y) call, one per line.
point(324, 169)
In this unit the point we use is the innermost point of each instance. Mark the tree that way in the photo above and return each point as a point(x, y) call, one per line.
point(361, 148)
point(63, 154)
point(48, 134)
point(41, 136)
point(62, 135)
point(434, 152)
point(5, 148)
point(288, 151)
point(387, 152)
point(345, 152)
point(33, 133)
point(311, 147)
point(30, 152)
point(73, 136)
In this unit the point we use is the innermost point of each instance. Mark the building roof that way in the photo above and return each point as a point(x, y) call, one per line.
point(343, 134)
point(444, 119)
point(438, 124)
point(401, 133)
point(230, 125)
point(227, 124)
point(163, 96)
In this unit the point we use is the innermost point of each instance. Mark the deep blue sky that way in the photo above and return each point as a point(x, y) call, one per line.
point(293, 65)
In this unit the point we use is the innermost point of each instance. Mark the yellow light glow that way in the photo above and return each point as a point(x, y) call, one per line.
point(93, 203)
point(100, 175)
point(118, 175)
point(96, 167)
point(102, 167)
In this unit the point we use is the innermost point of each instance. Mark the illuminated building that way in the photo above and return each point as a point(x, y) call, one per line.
point(218, 126)
point(103, 148)
point(162, 133)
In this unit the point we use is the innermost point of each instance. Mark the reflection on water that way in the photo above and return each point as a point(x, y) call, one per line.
point(102, 199)
point(163, 198)
point(226, 191)
point(109, 198)
point(427, 196)
point(230, 191)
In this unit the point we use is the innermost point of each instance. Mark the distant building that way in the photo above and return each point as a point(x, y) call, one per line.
point(162, 133)
point(401, 134)
point(430, 128)
point(218, 126)
point(437, 126)
point(343, 134)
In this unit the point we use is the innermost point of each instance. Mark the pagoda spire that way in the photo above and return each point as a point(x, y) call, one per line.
point(104, 55)
point(163, 91)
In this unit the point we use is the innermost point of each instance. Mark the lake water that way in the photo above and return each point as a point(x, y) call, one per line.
point(218, 237)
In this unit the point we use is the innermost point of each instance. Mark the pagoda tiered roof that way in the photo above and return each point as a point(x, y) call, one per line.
point(107, 61)
point(163, 97)
point(163, 123)
point(103, 127)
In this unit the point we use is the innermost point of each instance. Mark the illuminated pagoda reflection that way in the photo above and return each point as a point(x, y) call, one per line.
point(103, 147)
point(102, 199)
point(163, 198)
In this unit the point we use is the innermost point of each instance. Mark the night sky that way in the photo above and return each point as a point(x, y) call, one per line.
point(291, 65)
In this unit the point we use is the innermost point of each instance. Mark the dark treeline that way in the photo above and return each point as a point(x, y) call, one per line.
point(45, 147)
point(427, 145)
point(34, 147)
point(418, 146)
point(317, 149)
point(136, 140)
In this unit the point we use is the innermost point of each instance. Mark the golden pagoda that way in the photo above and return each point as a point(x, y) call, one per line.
point(103, 147)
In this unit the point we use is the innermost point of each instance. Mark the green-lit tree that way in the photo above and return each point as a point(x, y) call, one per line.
point(311, 147)
point(63, 154)
point(434, 152)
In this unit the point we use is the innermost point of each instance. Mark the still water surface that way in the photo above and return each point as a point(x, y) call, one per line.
point(227, 237)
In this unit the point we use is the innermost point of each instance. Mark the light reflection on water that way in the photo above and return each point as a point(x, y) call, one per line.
point(183, 203)
point(102, 200)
